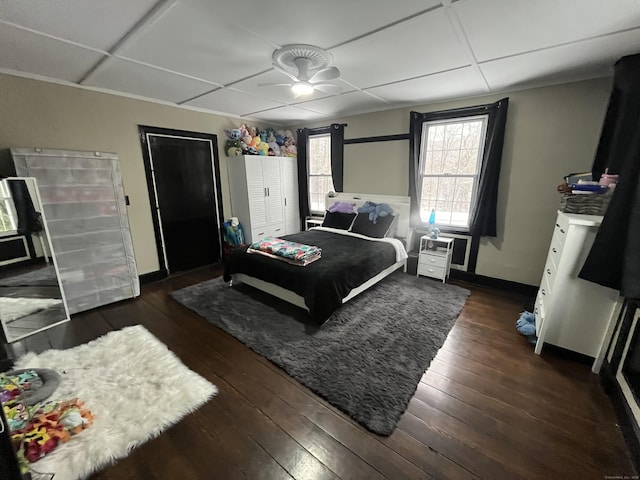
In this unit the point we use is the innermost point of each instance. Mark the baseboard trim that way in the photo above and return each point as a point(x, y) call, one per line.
point(623, 413)
point(150, 277)
point(508, 285)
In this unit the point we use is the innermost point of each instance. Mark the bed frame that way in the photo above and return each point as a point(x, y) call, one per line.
point(400, 206)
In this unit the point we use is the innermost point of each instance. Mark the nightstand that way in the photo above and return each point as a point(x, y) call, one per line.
point(312, 222)
point(434, 258)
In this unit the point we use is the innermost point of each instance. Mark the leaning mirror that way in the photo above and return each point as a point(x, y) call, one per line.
point(31, 297)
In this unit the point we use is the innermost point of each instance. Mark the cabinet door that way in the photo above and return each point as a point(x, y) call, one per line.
point(289, 172)
point(256, 191)
point(274, 198)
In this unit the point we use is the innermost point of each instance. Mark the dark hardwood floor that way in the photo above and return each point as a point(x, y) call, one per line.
point(487, 407)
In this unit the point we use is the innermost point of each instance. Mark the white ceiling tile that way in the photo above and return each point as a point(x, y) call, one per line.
point(497, 28)
point(463, 82)
point(137, 79)
point(288, 115)
point(228, 100)
point(93, 23)
point(347, 103)
point(27, 52)
point(422, 45)
point(281, 93)
point(194, 39)
point(576, 61)
point(326, 23)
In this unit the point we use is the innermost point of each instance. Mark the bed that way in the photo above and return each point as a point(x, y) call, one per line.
point(350, 262)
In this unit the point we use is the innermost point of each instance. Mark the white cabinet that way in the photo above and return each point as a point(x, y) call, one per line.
point(570, 312)
point(434, 259)
point(264, 195)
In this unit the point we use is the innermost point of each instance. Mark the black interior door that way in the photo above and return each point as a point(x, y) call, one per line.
point(185, 176)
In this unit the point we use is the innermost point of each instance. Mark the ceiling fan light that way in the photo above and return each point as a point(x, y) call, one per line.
point(302, 88)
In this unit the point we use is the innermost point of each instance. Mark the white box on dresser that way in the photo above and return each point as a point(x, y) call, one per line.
point(570, 312)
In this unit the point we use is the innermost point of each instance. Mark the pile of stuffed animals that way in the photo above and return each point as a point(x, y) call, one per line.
point(248, 140)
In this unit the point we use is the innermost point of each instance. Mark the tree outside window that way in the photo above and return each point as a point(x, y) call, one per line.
point(320, 180)
point(7, 216)
point(450, 161)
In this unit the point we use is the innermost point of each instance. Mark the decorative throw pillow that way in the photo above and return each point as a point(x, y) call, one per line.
point(364, 226)
point(338, 220)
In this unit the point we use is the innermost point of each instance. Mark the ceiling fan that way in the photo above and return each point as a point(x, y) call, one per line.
point(308, 68)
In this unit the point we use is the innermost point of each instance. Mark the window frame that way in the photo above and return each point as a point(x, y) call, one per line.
point(422, 160)
point(7, 200)
point(325, 132)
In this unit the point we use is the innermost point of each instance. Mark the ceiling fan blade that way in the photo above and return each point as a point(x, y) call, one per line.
point(278, 68)
point(274, 84)
point(327, 88)
point(329, 73)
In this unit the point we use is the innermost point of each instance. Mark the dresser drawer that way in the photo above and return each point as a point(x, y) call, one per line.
point(433, 260)
point(560, 232)
point(268, 231)
point(550, 272)
point(429, 271)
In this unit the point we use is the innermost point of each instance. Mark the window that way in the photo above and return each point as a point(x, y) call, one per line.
point(7, 215)
point(450, 160)
point(320, 180)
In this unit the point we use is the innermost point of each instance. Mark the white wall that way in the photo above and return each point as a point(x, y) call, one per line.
point(550, 132)
point(48, 115)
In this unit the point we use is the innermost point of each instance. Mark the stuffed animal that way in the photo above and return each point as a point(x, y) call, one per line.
point(275, 147)
point(375, 210)
point(234, 134)
point(526, 325)
point(343, 207)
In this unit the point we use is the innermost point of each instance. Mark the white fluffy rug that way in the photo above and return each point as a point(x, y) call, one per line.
point(13, 308)
point(133, 384)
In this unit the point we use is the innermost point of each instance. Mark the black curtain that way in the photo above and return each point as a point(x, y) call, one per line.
point(302, 143)
point(614, 259)
point(483, 217)
point(337, 156)
point(29, 221)
point(415, 139)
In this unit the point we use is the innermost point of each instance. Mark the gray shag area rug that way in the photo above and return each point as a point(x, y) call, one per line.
point(366, 360)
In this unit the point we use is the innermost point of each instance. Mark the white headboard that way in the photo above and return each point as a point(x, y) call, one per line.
point(399, 204)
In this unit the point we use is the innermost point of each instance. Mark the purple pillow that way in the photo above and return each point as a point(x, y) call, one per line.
point(342, 207)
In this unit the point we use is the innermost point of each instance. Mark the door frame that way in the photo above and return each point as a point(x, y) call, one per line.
point(144, 132)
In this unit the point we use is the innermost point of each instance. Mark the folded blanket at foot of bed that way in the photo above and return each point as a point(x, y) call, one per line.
point(300, 263)
point(297, 252)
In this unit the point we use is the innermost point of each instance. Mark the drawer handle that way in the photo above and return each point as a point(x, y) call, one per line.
point(554, 250)
point(261, 233)
point(549, 271)
point(278, 229)
point(536, 310)
point(432, 260)
point(558, 225)
point(430, 270)
point(561, 230)
point(543, 292)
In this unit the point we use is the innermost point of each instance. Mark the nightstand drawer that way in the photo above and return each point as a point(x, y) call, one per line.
point(433, 260)
point(429, 271)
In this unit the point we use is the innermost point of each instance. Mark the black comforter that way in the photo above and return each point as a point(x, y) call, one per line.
point(346, 263)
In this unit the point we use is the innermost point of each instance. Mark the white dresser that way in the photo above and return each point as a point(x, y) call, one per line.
point(434, 259)
point(264, 195)
point(570, 312)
